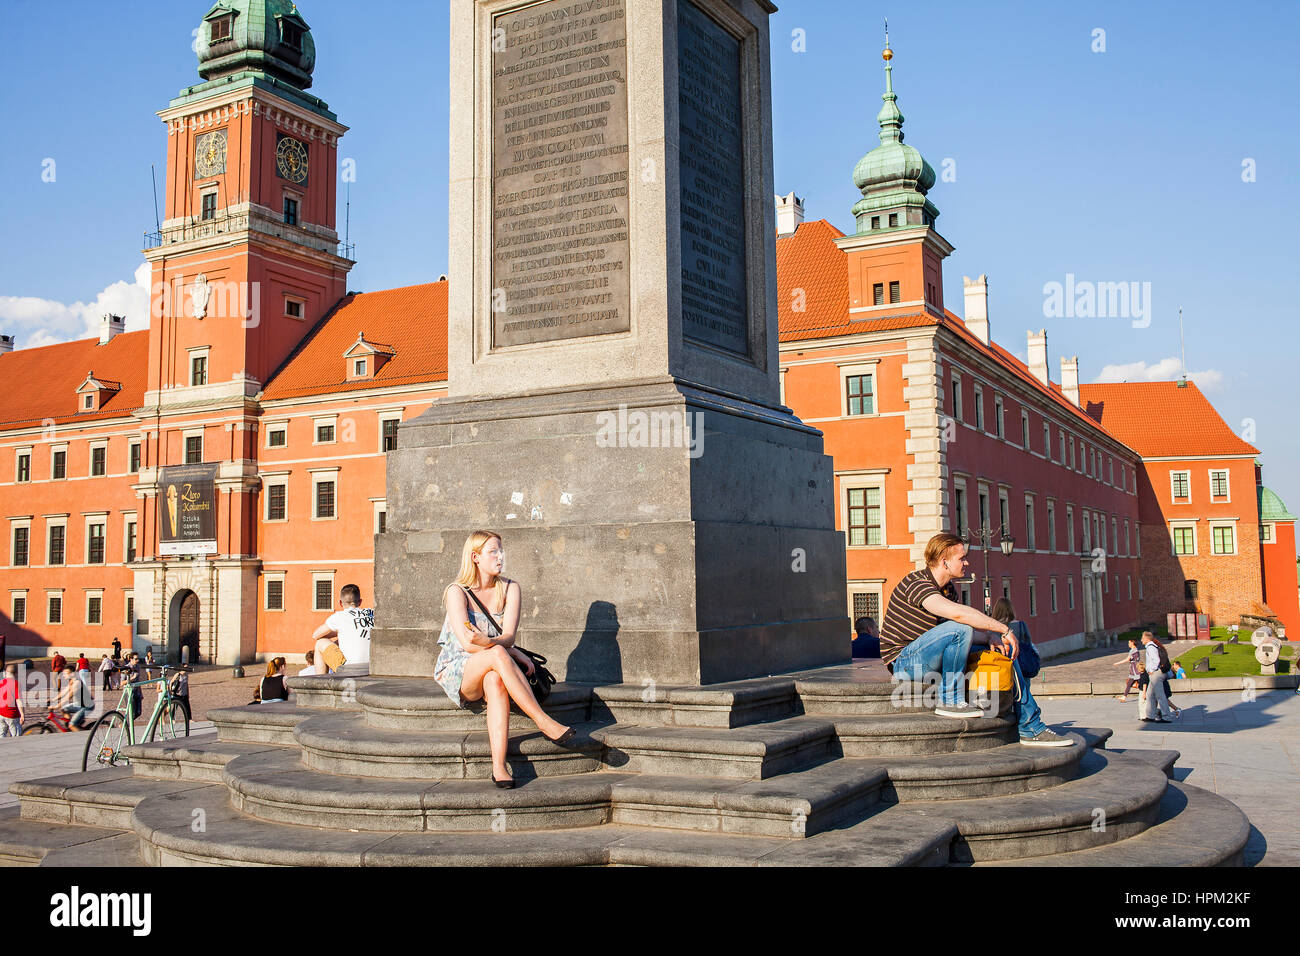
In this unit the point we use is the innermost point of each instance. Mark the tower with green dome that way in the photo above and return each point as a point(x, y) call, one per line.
point(248, 261)
point(895, 254)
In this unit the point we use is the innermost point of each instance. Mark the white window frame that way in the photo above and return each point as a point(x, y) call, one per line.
point(279, 479)
point(1061, 434)
point(1227, 480)
point(1196, 543)
point(1031, 537)
point(957, 403)
point(93, 593)
point(90, 457)
point(1047, 440)
point(361, 372)
point(856, 368)
point(18, 453)
point(129, 518)
point(318, 423)
point(1173, 497)
point(56, 521)
point(1033, 597)
point(960, 516)
point(1069, 589)
point(317, 576)
point(1051, 587)
point(979, 406)
point(203, 352)
point(14, 595)
point(1071, 465)
point(854, 482)
point(317, 476)
point(999, 411)
point(1129, 577)
point(781, 374)
point(1051, 525)
point(1128, 541)
point(1024, 430)
point(1111, 463)
point(1114, 534)
point(1004, 508)
point(380, 505)
point(131, 447)
point(984, 509)
point(54, 450)
point(128, 607)
point(1069, 528)
point(299, 300)
point(389, 417)
point(63, 607)
point(280, 425)
point(14, 525)
point(1224, 523)
point(267, 578)
point(186, 435)
point(1267, 533)
point(88, 519)
point(874, 587)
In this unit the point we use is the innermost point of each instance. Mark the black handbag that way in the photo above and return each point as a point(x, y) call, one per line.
point(540, 680)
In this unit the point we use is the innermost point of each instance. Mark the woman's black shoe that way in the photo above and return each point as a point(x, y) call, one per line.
point(565, 738)
point(507, 784)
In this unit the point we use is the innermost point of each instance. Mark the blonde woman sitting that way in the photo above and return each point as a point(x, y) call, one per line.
point(479, 660)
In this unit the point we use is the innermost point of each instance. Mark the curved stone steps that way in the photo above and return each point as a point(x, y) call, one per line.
point(1121, 795)
point(421, 704)
point(963, 775)
point(337, 691)
point(274, 785)
point(25, 842)
point(169, 835)
point(188, 758)
point(96, 798)
point(903, 734)
point(343, 743)
point(262, 723)
point(847, 692)
point(1193, 827)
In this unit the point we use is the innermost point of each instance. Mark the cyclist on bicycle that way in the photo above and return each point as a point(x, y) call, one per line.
point(75, 698)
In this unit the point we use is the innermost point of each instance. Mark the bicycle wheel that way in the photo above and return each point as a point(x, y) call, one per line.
point(105, 742)
point(39, 727)
point(173, 722)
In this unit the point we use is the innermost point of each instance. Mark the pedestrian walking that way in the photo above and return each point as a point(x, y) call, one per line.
point(11, 703)
point(1133, 658)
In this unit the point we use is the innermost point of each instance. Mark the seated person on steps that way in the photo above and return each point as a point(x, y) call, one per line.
point(927, 631)
point(344, 638)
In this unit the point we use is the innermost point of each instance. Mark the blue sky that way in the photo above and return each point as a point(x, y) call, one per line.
point(1122, 165)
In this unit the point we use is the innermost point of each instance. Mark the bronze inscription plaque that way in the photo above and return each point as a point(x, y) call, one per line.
point(715, 300)
point(560, 172)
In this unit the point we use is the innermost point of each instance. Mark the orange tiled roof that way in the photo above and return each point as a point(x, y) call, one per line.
point(1162, 420)
point(43, 382)
point(413, 319)
point(809, 260)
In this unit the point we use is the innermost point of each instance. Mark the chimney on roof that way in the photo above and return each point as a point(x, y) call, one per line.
point(109, 326)
point(977, 306)
point(789, 214)
point(1070, 378)
point(6, 344)
point(1038, 356)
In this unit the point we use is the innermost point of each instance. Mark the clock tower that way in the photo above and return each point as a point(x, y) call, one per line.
point(246, 261)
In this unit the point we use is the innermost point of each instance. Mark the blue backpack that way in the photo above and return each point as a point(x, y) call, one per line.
point(1030, 663)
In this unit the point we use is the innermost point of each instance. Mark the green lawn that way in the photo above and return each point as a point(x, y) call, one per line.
point(1238, 660)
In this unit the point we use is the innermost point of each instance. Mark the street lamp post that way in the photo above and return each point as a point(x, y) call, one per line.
point(985, 536)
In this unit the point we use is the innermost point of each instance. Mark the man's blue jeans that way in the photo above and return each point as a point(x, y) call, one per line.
point(944, 649)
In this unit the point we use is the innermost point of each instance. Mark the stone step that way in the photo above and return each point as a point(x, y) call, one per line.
point(343, 743)
point(262, 723)
point(230, 838)
point(755, 751)
point(1011, 768)
point(422, 704)
point(1193, 827)
point(919, 733)
point(1111, 798)
point(190, 758)
point(275, 786)
point(97, 798)
point(26, 842)
point(1162, 760)
point(734, 704)
point(337, 691)
point(851, 693)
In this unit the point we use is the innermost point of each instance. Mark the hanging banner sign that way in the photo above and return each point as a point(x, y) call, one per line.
point(187, 510)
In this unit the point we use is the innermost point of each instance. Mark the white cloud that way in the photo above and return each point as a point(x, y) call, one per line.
point(35, 322)
point(1165, 370)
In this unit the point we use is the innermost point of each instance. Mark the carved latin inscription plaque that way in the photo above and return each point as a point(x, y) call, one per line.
point(560, 172)
point(715, 302)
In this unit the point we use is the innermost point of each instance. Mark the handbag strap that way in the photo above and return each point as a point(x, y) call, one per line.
point(474, 597)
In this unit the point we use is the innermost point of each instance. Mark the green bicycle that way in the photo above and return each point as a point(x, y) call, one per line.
point(116, 728)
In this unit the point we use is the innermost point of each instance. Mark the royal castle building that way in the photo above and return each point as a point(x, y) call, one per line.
point(209, 483)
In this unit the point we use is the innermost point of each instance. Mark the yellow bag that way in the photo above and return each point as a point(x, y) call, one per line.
point(990, 671)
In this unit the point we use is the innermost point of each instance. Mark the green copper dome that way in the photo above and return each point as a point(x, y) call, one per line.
point(1271, 507)
point(269, 37)
point(893, 177)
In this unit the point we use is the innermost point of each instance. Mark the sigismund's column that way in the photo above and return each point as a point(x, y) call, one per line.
point(613, 407)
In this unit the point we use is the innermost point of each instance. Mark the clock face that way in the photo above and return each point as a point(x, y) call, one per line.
point(210, 154)
point(291, 159)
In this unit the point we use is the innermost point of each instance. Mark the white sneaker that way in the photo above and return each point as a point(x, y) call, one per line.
point(1046, 738)
point(958, 710)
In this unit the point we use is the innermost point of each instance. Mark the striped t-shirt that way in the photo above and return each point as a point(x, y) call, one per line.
point(905, 618)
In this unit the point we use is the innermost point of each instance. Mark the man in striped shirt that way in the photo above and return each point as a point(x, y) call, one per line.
point(928, 631)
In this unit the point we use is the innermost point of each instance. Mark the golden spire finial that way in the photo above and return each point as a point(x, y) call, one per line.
point(888, 54)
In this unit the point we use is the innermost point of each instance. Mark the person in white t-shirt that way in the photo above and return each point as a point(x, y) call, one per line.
point(310, 669)
point(344, 638)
